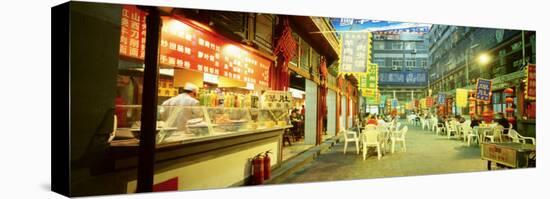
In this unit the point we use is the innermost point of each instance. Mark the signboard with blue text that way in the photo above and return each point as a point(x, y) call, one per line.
point(441, 98)
point(483, 89)
point(400, 78)
point(349, 24)
point(394, 103)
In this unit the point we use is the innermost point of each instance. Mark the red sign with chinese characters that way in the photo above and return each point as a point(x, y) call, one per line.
point(185, 46)
point(531, 82)
point(429, 102)
point(132, 32)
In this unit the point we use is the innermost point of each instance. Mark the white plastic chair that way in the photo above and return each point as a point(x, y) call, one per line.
point(385, 136)
point(518, 138)
point(410, 119)
point(469, 134)
point(497, 134)
point(352, 139)
point(433, 124)
point(451, 127)
point(370, 138)
point(399, 137)
point(424, 123)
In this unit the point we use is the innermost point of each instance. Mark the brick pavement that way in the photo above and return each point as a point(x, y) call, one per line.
point(426, 154)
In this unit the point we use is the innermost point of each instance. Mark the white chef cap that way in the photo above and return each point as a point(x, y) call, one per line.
point(190, 87)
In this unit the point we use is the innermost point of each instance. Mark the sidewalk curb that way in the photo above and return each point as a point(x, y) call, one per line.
point(291, 165)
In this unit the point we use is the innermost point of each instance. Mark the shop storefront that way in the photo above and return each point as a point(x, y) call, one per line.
point(234, 117)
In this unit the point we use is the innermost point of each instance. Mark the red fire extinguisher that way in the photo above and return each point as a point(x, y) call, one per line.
point(258, 169)
point(267, 165)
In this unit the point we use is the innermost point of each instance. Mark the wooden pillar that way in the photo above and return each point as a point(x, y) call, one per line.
point(146, 161)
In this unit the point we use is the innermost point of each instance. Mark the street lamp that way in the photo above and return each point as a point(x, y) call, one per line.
point(484, 58)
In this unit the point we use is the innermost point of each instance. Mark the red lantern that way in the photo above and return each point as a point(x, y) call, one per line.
point(509, 91)
point(509, 110)
point(511, 120)
point(509, 100)
point(487, 116)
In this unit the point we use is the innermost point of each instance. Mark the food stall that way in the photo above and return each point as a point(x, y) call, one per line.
point(236, 119)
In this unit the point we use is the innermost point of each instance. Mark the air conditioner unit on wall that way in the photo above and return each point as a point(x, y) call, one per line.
point(395, 68)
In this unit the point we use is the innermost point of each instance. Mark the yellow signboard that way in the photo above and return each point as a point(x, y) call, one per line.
point(461, 97)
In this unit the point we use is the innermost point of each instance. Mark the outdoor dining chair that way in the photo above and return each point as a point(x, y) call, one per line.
point(469, 134)
point(451, 128)
point(370, 138)
point(518, 138)
point(385, 136)
point(399, 137)
point(433, 124)
point(347, 139)
point(496, 134)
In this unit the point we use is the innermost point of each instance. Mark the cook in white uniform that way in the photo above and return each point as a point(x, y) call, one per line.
point(178, 107)
point(185, 98)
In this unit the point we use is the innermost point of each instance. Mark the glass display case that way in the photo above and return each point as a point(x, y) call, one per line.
point(183, 123)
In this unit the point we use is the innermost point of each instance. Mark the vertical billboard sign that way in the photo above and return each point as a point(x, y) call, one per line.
point(461, 97)
point(483, 90)
point(132, 32)
point(355, 51)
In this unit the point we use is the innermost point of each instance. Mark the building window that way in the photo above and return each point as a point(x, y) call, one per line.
point(263, 30)
point(295, 59)
point(410, 45)
point(233, 21)
point(304, 55)
point(498, 102)
point(396, 64)
point(420, 46)
point(378, 45)
point(423, 63)
point(315, 61)
point(410, 63)
point(380, 62)
point(396, 46)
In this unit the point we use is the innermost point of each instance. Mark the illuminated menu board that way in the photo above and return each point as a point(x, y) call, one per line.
point(184, 46)
point(132, 32)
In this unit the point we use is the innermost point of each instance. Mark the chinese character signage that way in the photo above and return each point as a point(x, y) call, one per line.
point(483, 89)
point(355, 52)
point(276, 99)
point(429, 101)
point(461, 97)
point(441, 98)
point(531, 84)
point(368, 83)
point(183, 44)
point(399, 78)
point(132, 32)
point(423, 103)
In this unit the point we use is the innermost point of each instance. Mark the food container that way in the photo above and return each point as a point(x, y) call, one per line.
point(281, 123)
point(198, 130)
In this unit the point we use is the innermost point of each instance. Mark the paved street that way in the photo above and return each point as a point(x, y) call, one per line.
point(426, 154)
